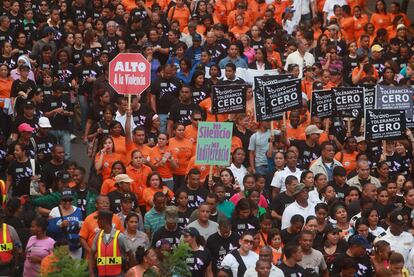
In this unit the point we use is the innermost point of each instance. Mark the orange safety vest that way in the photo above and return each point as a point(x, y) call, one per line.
point(3, 193)
point(6, 245)
point(109, 259)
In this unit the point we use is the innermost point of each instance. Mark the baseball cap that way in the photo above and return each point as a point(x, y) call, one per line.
point(241, 5)
point(29, 104)
point(401, 26)
point(339, 171)
point(171, 214)
point(88, 53)
point(359, 240)
point(44, 122)
point(126, 197)
point(360, 139)
point(196, 37)
point(312, 129)
point(63, 176)
point(333, 27)
point(299, 188)
point(191, 231)
point(123, 178)
point(67, 194)
point(24, 127)
point(376, 48)
point(48, 30)
point(397, 217)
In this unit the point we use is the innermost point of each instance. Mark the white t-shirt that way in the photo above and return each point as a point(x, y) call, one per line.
point(293, 209)
point(329, 6)
point(279, 178)
point(249, 260)
point(238, 173)
point(274, 272)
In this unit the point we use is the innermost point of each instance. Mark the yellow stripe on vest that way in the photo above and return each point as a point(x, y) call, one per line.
point(108, 260)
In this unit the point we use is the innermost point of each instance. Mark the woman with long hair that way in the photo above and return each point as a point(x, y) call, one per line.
point(105, 157)
point(199, 87)
point(243, 218)
point(259, 60)
point(380, 18)
point(333, 245)
point(135, 238)
point(154, 185)
point(108, 185)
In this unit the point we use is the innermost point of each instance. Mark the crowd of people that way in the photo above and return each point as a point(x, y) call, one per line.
point(303, 196)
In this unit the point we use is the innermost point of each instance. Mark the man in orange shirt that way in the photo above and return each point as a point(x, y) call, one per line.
point(135, 141)
point(190, 131)
point(90, 225)
point(179, 12)
point(257, 7)
point(293, 129)
point(273, 57)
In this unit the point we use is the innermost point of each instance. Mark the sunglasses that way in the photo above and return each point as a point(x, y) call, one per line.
point(248, 241)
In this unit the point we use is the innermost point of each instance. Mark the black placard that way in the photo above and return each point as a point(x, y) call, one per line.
point(395, 98)
point(369, 96)
point(384, 124)
point(321, 103)
point(283, 96)
point(348, 101)
point(259, 95)
point(228, 99)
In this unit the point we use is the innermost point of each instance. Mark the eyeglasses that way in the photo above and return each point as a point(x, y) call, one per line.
point(248, 241)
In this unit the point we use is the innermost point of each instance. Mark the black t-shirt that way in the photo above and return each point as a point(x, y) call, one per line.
point(363, 264)
point(172, 236)
point(183, 219)
point(21, 174)
point(349, 65)
point(307, 154)
point(198, 262)
point(49, 173)
point(329, 258)
point(58, 121)
point(84, 72)
point(77, 55)
point(27, 87)
point(166, 93)
point(340, 191)
point(30, 148)
point(139, 116)
point(219, 247)
point(115, 201)
point(195, 197)
point(280, 202)
point(287, 237)
point(81, 196)
point(296, 271)
point(199, 94)
point(33, 122)
point(44, 148)
point(240, 225)
point(64, 75)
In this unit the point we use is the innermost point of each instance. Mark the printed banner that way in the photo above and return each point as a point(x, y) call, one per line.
point(369, 97)
point(321, 103)
point(395, 98)
point(228, 99)
point(214, 143)
point(348, 101)
point(283, 96)
point(384, 124)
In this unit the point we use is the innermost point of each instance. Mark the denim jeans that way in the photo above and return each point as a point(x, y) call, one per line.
point(63, 138)
point(84, 106)
point(262, 170)
point(163, 119)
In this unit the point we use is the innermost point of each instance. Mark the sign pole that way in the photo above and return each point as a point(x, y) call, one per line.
point(210, 173)
point(284, 119)
point(348, 123)
point(129, 101)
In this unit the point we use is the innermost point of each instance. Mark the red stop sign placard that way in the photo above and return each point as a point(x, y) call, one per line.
point(129, 73)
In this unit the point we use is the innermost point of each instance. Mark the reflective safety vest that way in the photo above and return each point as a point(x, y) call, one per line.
point(6, 245)
point(3, 193)
point(109, 259)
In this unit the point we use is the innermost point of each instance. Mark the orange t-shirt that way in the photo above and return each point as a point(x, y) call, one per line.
point(380, 20)
point(348, 161)
point(406, 20)
point(149, 192)
point(347, 26)
point(231, 19)
point(353, 3)
point(108, 186)
point(190, 133)
point(258, 10)
point(323, 137)
point(298, 133)
point(131, 147)
point(182, 15)
point(359, 24)
point(182, 150)
point(222, 10)
point(139, 176)
point(129, 5)
point(163, 4)
point(5, 90)
point(274, 59)
point(356, 70)
point(107, 162)
point(156, 155)
point(236, 143)
point(238, 31)
point(90, 227)
point(46, 266)
point(120, 147)
point(206, 106)
point(307, 88)
point(204, 169)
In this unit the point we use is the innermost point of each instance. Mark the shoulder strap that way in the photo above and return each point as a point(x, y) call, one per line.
point(242, 267)
point(172, 14)
point(263, 238)
point(33, 142)
point(64, 230)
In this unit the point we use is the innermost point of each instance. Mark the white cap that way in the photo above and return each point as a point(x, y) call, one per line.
point(44, 122)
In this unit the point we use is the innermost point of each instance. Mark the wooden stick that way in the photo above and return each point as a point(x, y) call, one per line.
point(210, 174)
point(129, 101)
point(271, 128)
point(284, 120)
point(349, 126)
point(384, 146)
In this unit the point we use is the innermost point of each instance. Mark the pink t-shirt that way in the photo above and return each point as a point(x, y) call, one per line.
point(236, 198)
point(39, 248)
